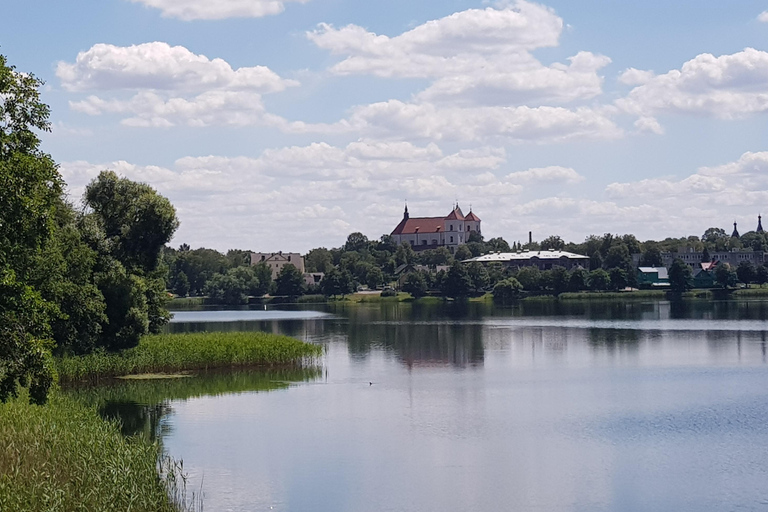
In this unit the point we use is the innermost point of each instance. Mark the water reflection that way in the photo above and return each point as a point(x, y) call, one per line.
point(143, 406)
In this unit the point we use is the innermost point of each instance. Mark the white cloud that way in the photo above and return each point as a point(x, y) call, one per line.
point(725, 87)
point(634, 76)
point(763, 16)
point(172, 85)
point(477, 56)
point(553, 174)
point(215, 10)
point(319, 193)
point(395, 118)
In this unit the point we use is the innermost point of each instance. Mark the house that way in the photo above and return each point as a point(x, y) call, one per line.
point(704, 276)
point(313, 278)
point(425, 233)
point(652, 277)
point(277, 260)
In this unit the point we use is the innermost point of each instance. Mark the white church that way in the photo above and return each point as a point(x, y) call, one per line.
point(424, 233)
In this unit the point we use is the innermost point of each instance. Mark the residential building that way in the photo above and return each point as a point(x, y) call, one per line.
point(543, 260)
point(694, 258)
point(424, 233)
point(652, 277)
point(277, 260)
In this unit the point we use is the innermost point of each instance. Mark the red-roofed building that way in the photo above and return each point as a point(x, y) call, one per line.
point(424, 233)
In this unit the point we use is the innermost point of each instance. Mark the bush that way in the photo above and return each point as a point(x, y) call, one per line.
point(389, 293)
point(506, 291)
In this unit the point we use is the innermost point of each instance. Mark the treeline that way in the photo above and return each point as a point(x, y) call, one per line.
point(71, 280)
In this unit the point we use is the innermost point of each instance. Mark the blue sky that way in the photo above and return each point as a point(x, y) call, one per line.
point(287, 125)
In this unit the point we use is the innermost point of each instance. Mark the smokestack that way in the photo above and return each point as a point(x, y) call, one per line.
point(530, 237)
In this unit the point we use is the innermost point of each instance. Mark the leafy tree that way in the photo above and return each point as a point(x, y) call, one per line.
point(715, 239)
point(599, 280)
point(336, 282)
point(475, 237)
point(416, 284)
point(374, 277)
point(746, 272)
point(181, 287)
point(578, 280)
point(595, 261)
point(263, 275)
point(761, 274)
point(137, 220)
point(498, 245)
point(289, 282)
point(552, 243)
point(651, 256)
point(559, 279)
point(478, 276)
point(705, 256)
point(725, 276)
point(506, 291)
point(356, 242)
point(463, 253)
point(457, 283)
point(318, 260)
point(228, 288)
point(680, 276)
point(619, 278)
point(404, 254)
point(530, 278)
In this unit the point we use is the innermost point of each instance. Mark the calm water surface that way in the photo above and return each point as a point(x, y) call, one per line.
point(544, 407)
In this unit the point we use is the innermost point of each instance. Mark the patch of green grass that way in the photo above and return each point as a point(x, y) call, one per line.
point(375, 297)
point(751, 292)
point(182, 303)
point(171, 353)
point(64, 457)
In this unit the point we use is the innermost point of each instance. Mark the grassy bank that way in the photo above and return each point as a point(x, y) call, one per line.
point(638, 294)
point(64, 457)
point(169, 353)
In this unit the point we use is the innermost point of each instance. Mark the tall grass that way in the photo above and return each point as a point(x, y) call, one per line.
point(167, 353)
point(64, 457)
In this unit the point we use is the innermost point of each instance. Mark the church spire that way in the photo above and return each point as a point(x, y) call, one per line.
point(735, 233)
point(405, 213)
point(759, 224)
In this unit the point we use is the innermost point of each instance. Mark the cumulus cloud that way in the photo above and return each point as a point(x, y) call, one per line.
point(763, 16)
point(220, 9)
point(323, 191)
point(395, 118)
point(736, 190)
point(477, 56)
point(725, 87)
point(172, 86)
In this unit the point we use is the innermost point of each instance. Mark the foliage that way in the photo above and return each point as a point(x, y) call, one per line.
point(599, 279)
point(506, 291)
point(457, 283)
point(725, 276)
point(289, 282)
point(478, 276)
point(336, 282)
point(530, 278)
point(680, 276)
point(746, 272)
point(182, 352)
point(552, 243)
point(65, 457)
point(318, 260)
point(227, 289)
point(415, 284)
point(651, 256)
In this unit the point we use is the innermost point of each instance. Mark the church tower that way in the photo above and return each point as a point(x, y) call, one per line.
point(735, 233)
point(759, 224)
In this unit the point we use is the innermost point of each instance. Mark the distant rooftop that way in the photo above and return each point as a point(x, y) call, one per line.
point(525, 256)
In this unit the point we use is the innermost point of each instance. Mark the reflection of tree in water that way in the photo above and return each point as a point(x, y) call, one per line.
point(143, 406)
point(614, 339)
point(418, 333)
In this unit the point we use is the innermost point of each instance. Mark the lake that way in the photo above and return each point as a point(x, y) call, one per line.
point(574, 406)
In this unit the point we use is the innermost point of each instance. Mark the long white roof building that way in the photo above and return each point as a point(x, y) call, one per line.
point(541, 259)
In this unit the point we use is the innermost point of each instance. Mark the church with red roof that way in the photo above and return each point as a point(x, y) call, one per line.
point(424, 233)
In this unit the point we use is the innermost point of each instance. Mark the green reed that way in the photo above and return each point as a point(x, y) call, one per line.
point(169, 353)
point(64, 457)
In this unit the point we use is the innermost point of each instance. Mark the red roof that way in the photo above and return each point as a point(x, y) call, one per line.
point(422, 224)
point(472, 217)
point(455, 214)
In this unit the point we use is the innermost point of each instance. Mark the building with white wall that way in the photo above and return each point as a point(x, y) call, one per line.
point(424, 233)
point(277, 260)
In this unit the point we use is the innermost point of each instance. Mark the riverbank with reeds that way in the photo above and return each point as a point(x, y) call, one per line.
point(64, 457)
point(174, 353)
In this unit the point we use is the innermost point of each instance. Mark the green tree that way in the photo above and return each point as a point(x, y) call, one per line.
point(559, 279)
point(680, 276)
point(374, 277)
point(725, 276)
point(619, 278)
point(552, 243)
point(457, 283)
point(228, 288)
point(578, 280)
point(530, 278)
point(336, 282)
point(318, 260)
point(263, 275)
point(137, 221)
point(746, 272)
point(289, 281)
point(599, 280)
point(415, 284)
point(478, 276)
point(651, 256)
point(462, 253)
point(356, 242)
point(761, 274)
point(181, 287)
point(595, 261)
point(506, 291)
point(498, 245)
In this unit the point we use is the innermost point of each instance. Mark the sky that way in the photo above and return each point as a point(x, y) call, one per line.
point(288, 124)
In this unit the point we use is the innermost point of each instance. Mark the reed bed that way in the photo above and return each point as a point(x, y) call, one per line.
point(172, 353)
point(64, 457)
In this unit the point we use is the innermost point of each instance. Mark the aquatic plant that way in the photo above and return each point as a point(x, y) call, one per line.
point(167, 353)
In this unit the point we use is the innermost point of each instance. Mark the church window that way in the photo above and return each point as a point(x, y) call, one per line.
point(451, 239)
point(450, 227)
point(423, 242)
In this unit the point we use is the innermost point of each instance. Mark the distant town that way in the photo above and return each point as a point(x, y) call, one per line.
point(448, 256)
